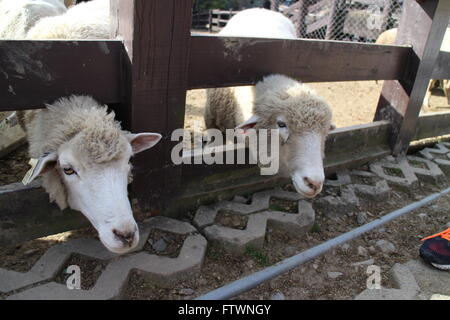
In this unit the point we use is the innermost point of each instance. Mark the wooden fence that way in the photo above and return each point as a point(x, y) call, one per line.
point(145, 76)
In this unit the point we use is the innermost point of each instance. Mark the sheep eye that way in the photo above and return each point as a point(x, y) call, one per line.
point(281, 124)
point(69, 171)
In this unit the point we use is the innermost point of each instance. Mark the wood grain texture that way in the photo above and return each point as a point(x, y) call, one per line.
point(157, 38)
point(224, 62)
point(423, 26)
point(36, 72)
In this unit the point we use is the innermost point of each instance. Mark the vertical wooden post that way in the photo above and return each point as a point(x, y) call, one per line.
point(336, 19)
point(275, 5)
point(423, 26)
point(302, 13)
point(210, 20)
point(156, 37)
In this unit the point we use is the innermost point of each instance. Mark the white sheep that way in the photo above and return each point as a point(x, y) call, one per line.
point(389, 36)
point(303, 118)
point(83, 157)
point(19, 16)
point(86, 20)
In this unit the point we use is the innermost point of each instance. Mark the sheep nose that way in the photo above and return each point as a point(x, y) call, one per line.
point(125, 237)
point(313, 184)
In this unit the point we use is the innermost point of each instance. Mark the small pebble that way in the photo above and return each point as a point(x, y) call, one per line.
point(159, 245)
point(361, 218)
point(362, 251)
point(278, 296)
point(334, 275)
point(186, 292)
point(422, 215)
point(240, 199)
point(363, 263)
point(386, 246)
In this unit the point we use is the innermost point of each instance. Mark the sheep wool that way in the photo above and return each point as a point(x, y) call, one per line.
point(86, 20)
point(81, 121)
point(19, 16)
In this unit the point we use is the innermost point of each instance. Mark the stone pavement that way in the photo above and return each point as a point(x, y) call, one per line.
point(414, 280)
point(347, 189)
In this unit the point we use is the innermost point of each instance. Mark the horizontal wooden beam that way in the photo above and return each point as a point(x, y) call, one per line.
point(36, 72)
point(221, 62)
point(442, 66)
point(433, 125)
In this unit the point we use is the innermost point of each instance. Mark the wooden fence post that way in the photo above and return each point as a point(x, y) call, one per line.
point(275, 5)
point(302, 13)
point(336, 20)
point(156, 37)
point(423, 25)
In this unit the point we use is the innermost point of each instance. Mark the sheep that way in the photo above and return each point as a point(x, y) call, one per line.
point(82, 153)
point(83, 157)
point(277, 102)
point(86, 20)
point(258, 22)
point(19, 16)
point(389, 36)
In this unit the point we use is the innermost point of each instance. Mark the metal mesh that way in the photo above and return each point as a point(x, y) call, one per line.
point(349, 20)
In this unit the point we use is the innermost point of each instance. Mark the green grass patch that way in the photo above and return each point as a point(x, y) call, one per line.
point(257, 255)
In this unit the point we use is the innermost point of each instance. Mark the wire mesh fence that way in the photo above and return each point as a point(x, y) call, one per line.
point(348, 20)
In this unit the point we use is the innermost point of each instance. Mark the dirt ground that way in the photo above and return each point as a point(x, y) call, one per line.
point(316, 279)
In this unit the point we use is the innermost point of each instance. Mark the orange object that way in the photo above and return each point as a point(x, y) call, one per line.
point(444, 234)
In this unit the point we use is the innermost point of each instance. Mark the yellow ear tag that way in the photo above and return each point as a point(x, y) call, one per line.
point(28, 177)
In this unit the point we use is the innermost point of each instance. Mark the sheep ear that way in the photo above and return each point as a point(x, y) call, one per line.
point(40, 166)
point(249, 124)
point(143, 141)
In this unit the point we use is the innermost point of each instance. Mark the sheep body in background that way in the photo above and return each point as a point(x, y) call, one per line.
point(389, 36)
point(83, 158)
point(86, 20)
point(276, 102)
point(19, 16)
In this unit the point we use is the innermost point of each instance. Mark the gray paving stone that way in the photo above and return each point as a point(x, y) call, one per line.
point(440, 154)
point(259, 217)
point(114, 279)
point(414, 280)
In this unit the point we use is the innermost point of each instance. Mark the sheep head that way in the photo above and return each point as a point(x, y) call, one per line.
point(303, 120)
point(89, 172)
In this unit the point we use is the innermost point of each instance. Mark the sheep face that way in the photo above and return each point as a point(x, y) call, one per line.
point(303, 120)
point(98, 187)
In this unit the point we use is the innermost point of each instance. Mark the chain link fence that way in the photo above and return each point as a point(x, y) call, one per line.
point(347, 20)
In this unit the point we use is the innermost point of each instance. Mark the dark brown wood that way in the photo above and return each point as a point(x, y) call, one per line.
point(442, 66)
point(223, 62)
point(423, 25)
point(157, 46)
point(336, 19)
point(432, 125)
point(36, 72)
